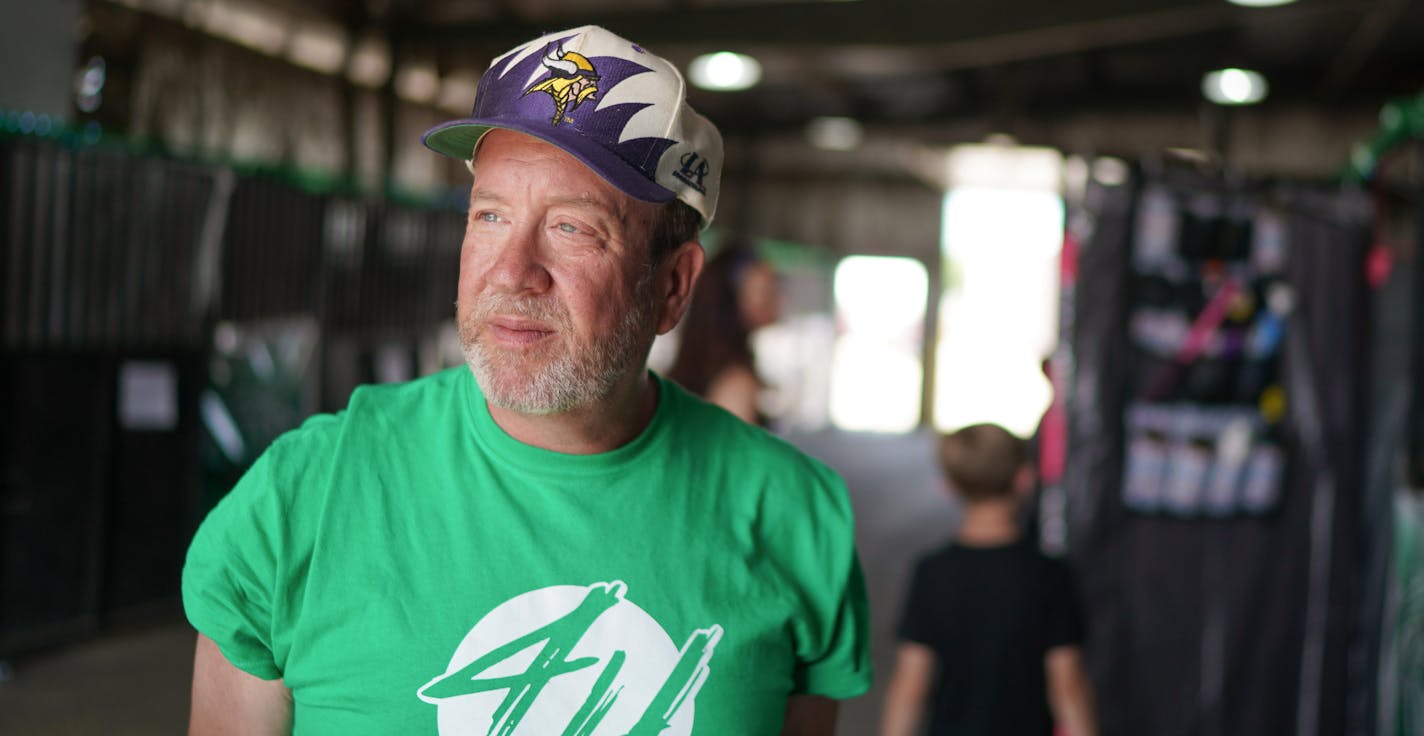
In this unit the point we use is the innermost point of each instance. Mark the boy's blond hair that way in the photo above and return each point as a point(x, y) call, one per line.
point(982, 461)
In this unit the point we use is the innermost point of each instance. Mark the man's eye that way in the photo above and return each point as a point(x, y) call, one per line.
point(488, 217)
point(568, 227)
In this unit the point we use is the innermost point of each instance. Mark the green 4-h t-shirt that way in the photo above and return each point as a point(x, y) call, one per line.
point(406, 567)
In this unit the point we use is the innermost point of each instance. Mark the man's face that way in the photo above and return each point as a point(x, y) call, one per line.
point(556, 301)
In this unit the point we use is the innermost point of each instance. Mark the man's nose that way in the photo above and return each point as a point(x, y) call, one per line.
point(519, 265)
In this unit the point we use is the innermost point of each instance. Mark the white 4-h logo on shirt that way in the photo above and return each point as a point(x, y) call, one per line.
point(571, 661)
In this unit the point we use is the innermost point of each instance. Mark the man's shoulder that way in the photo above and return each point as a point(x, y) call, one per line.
point(430, 391)
point(388, 403)
point(386, 410)
point(716, 428)
point(766, 465)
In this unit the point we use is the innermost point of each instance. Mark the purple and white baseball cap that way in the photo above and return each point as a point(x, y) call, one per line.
point(606, 101)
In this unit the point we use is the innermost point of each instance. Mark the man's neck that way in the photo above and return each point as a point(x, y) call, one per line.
point(606, 425)
point(988, 524)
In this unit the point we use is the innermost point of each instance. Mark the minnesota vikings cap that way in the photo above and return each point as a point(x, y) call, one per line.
point(606, 101)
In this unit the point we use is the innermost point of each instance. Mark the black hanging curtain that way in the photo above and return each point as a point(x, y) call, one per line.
point(1221, 620)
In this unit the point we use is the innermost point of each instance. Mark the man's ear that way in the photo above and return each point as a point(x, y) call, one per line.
point(675, 281)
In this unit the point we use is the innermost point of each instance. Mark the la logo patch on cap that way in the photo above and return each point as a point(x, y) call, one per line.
point(693, 171)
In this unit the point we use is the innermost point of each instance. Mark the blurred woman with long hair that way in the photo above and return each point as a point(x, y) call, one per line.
point(737, 294)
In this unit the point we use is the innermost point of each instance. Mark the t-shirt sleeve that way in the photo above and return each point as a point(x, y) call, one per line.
point(841, 669)
point(229, 574)
point(833, 637)
point(915, 618)
point(1066, 609)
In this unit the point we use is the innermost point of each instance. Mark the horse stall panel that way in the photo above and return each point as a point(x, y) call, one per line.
point(153, 481)
point(101, 270)
point(54, 461)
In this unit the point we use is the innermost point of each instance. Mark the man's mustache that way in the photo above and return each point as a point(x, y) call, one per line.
point(538, 308)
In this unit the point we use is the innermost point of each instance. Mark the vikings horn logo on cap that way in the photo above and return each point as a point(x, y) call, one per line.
point(608, 102)
point(572, 79)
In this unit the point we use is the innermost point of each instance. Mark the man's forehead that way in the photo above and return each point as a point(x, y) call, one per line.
point(583, 199)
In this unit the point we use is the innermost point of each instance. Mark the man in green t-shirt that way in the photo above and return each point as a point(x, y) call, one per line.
point(553, 540)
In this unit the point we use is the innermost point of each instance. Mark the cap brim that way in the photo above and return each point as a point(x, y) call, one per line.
point(457, 139)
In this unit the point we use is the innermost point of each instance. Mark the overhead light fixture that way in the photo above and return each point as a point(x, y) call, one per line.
point(370, 62)
point(835, 133)
point(254, 26)
point(724, 71)
point(1234, 87)
point(318, 47)
point(89, 92)
point(1109, 171)
point(457, 92)
point(1260, 3)
point(1191, 155)
point(417, 83)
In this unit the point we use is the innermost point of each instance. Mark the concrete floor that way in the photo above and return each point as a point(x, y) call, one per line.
point(137, 681)
point(131, 683)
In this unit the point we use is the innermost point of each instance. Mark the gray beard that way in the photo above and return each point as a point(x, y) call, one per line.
point(572, 378)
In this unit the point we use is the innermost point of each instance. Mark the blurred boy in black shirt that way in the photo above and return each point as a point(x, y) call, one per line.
point(991, 627)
